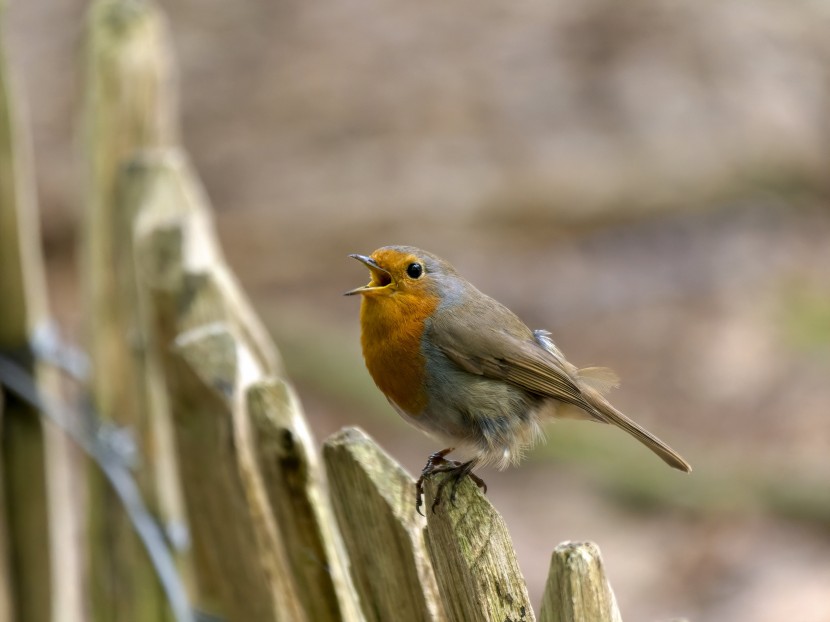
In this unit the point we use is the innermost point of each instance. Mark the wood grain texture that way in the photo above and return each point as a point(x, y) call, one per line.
point(129, 104)
point(265, 544)
point(473, 557)
point(41, 573)
point(297, 495)
point(6, 603)
point(374, 500)
point(577, 590)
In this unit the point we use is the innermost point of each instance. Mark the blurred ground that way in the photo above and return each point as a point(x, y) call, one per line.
point(649, 181)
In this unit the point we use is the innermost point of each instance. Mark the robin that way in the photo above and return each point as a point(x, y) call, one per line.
point(467, 371)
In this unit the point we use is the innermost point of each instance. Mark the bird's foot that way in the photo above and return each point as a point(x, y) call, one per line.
point(434, 462)
point(455, 474)
point(455, 470)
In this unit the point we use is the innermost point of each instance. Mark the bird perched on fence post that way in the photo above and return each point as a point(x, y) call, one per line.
point(467, 371)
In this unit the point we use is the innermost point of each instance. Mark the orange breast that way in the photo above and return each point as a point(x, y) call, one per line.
point(391, 330)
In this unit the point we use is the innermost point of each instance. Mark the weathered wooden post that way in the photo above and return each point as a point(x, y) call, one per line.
point(473, 557)
point(5, 572)
point(129, 105)
point(470, 572)
point(577, 590)
point(458, 564)
point(40, 572)
point(374, 501)
point(265, 543)
point(23, 455)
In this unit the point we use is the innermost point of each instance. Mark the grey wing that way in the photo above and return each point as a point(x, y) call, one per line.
point(526, 363)
point(496, 353)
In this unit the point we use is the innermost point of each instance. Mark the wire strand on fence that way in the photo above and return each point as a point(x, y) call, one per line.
point(22, 384)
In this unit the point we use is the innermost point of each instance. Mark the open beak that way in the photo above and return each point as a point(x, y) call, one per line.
point(380, 277)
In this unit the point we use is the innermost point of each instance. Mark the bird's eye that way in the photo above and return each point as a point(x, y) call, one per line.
point(414, 270)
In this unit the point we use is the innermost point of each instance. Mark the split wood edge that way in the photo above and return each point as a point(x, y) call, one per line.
point(265, 542)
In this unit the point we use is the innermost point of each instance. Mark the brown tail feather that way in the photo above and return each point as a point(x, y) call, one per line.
point(607, 413)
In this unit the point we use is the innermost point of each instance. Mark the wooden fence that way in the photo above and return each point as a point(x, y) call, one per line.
point(258, 525)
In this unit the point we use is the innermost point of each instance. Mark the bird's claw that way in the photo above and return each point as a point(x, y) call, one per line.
point(455, 470)
point(435, 460)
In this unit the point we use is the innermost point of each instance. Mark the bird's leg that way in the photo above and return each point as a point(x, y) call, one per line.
point(436, 463)
point(456, 472)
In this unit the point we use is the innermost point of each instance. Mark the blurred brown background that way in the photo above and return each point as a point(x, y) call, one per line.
point(647, 180)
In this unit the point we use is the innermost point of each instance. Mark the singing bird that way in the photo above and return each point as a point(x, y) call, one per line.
point(466, 370)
